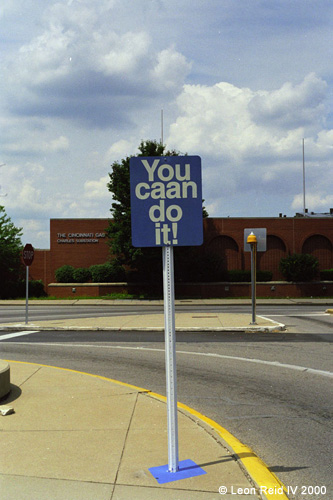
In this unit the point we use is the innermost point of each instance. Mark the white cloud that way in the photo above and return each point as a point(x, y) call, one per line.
point(125, 54)
point(34, 231)
point(251, 142)
point(97, 190)
point(35, 168)
point(290, 106)
point(82, 67)
point(320, 202)
point(31, 137)
point(59, 144)
point(237, 123)
point(171, 69)
point(120, 149)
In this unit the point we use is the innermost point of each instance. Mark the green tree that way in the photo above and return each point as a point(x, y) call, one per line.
point(147, 261)
point(11, 269)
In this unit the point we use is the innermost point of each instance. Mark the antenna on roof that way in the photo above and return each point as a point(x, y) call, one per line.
point(162, 127)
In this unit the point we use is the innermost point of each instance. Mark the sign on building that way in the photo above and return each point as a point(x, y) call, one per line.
point(166, 201)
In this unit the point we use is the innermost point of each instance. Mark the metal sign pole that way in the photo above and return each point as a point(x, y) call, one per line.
point(170, 356)
point(26, 294)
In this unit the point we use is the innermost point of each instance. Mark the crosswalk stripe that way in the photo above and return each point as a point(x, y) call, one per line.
point(16, 334)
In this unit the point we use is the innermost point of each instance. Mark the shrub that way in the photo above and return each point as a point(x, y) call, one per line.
point(326, 275)
point(17, 289)
point(299, 267)
point(190, 266)
point(237, 275)
point(264, 275)
point(36, 288)
point(209, 268)
point(64, 274)
point(12, 290)
point(107, 273)
point(81, 275)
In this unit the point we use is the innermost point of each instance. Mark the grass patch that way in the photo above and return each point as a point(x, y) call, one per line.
point(128, 296)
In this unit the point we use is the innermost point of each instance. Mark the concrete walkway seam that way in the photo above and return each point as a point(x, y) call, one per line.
point(252, 465)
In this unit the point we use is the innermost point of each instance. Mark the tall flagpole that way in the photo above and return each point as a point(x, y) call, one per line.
point(303, 182)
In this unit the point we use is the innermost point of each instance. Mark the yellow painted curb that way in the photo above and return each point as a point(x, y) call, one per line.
point(266, 481)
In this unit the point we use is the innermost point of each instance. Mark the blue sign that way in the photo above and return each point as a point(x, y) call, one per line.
point(166, 201)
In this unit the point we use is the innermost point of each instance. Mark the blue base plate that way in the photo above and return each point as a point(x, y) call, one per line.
point(187, 468)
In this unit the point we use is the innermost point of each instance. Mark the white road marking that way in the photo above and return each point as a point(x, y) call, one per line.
point(16, 334)
point(276, 364)
point(306, 315)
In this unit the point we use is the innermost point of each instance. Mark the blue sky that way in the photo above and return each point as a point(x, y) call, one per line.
point(240, 84)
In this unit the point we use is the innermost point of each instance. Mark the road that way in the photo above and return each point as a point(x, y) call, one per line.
point(283, 411)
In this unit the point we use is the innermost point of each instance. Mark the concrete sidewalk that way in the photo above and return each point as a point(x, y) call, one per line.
point(75, 436)
point(155, 322)
point(190, 321)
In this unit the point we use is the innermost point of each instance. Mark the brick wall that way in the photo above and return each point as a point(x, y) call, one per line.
point(285, 236)
point(41, 266)
point(82, 242)
point(78, 242)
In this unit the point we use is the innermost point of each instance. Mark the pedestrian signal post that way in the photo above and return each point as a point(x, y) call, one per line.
point(166, 211)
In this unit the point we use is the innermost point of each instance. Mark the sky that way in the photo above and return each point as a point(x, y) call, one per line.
point(241, 84)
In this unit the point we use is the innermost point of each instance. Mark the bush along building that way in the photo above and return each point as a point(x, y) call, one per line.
point(212, 270)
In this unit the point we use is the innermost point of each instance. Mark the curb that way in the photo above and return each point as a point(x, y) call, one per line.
point(178, 302)
point(279, 327)
point(265, 480)
point(248, 461)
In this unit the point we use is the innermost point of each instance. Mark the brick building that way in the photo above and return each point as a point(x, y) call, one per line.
point(83, 242)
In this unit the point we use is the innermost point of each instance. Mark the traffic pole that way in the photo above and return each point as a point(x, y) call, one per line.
point(252, 240)
point(170, 357)
point(26, 294)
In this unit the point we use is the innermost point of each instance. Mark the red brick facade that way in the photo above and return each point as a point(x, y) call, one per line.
point(83, 242)
point(77, 242)
point(285, 236)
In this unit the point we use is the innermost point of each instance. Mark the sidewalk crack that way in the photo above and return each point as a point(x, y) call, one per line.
point(125, 442)
point(30, 376)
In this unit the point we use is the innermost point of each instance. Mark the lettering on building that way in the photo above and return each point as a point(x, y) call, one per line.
point(73, 238)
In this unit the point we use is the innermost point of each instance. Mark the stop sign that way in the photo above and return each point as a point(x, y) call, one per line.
point(28, 254)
